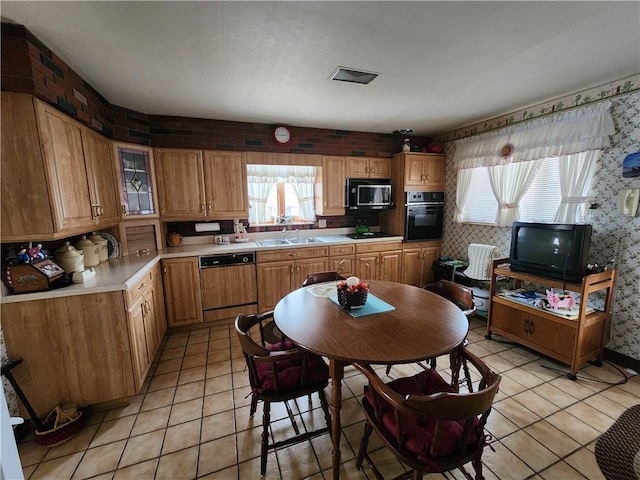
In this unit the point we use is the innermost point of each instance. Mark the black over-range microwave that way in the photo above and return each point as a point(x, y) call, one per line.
point(366, 194)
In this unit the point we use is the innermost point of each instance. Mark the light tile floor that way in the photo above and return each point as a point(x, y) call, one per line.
point(191, 420)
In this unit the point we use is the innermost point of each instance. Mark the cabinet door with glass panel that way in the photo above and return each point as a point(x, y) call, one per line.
point(137, 180)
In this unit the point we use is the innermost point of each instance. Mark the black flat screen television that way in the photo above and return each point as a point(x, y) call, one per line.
point(551, 250)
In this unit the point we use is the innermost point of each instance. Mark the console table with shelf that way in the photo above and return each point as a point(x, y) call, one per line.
point(568, 340)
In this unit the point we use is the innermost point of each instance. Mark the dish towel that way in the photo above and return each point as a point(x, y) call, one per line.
point(480, 257)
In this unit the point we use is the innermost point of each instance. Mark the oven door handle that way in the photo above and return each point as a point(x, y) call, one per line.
point(425, 204)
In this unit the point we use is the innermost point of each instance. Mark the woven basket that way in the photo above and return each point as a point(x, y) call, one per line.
point(59, 426)
point(349, 300)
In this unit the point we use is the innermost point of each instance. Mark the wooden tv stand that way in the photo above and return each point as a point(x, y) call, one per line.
point(573, 341)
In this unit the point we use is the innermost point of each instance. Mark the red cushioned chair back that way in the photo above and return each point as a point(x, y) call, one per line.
point(277, 368)
point(425, 419)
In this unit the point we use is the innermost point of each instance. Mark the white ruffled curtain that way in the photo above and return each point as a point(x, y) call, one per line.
point(262, 178)
point(576, 172)
point(462, 192)
point(304, 190)
point(567, 135)
point(258, 194)
point(510, 182)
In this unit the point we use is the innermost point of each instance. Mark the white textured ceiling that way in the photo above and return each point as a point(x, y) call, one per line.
point(442, 65)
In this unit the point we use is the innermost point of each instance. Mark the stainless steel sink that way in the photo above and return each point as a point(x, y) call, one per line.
point(272, 242)
point(305, 240)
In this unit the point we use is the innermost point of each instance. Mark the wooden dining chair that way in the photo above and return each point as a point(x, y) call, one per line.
point(278, 373)
point(321, 277)
point(456, 293)
point(427, 423)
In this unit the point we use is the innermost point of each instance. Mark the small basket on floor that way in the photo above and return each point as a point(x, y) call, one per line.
point(59, 426)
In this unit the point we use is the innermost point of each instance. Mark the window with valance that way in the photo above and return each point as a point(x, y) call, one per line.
point(281, 193)
point(537, 171)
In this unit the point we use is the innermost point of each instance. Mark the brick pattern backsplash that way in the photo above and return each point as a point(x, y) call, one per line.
point(29, 66)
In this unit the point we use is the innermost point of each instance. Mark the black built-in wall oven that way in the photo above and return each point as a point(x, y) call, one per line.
point(424, 212)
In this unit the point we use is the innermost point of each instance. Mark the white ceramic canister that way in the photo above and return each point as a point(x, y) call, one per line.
point(69, 258)
point(91, 251)
point(103, 243)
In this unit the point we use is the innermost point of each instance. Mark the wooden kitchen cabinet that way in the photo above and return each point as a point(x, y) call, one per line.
point(139, 351)
point(330, 187)
point(193, 184)
point(424, 172)
point(103, 188)
point(368, 167)
point(573, 341)
point(159, 316)
point(75, 349)
point(180, 179)
point(51, 188)
point(342, 259)
point(146, 320)
point(182, 289)
point(417, 262)
point(379, 261)
point(282, 271)
point(225, 176)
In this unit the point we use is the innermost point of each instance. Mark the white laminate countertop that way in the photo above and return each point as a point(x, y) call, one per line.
point(123, 273)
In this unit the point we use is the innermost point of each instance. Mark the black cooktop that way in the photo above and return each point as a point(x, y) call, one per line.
point(362, 236)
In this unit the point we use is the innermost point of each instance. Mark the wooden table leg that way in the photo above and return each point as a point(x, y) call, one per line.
point(336, 369)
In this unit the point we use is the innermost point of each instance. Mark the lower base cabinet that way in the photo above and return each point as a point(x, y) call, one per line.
point(146, 322)
point(417, 262)
point(183, 299)
point(74, 349)
point(85, 349)
point(379, 261)
point(281, 272)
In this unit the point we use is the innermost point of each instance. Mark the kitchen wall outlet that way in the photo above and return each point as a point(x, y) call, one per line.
point(322, 223)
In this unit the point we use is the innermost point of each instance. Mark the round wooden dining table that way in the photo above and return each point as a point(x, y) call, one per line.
point(421, 325)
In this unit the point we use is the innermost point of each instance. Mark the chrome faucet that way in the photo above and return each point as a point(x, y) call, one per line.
point(284, 233)
point(297, 235)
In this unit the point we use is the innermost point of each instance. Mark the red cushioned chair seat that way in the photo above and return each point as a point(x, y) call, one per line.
point(419, 432)
point(289, 372)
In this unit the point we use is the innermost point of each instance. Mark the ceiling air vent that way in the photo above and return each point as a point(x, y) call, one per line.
point(343, 74)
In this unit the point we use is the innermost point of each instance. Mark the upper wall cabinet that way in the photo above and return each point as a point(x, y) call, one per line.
point(137, 180)
point(368, 167)
point(103, 184)
point(422, 171)
point(225, 176)
point(180, 184)
point(193, 184)
point(51, 187)
point(330, 187)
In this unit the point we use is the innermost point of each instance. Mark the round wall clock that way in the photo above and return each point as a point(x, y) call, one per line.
point(282, 135)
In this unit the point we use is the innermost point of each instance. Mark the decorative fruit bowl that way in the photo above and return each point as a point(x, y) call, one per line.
point(352, 293)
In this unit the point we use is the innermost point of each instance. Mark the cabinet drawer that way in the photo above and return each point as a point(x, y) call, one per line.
point(140, 287)
point(337, 250)
point(418, 245)
point(291, 254)
point(378, 247)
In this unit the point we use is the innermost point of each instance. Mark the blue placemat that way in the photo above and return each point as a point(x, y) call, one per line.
point(373, 305)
